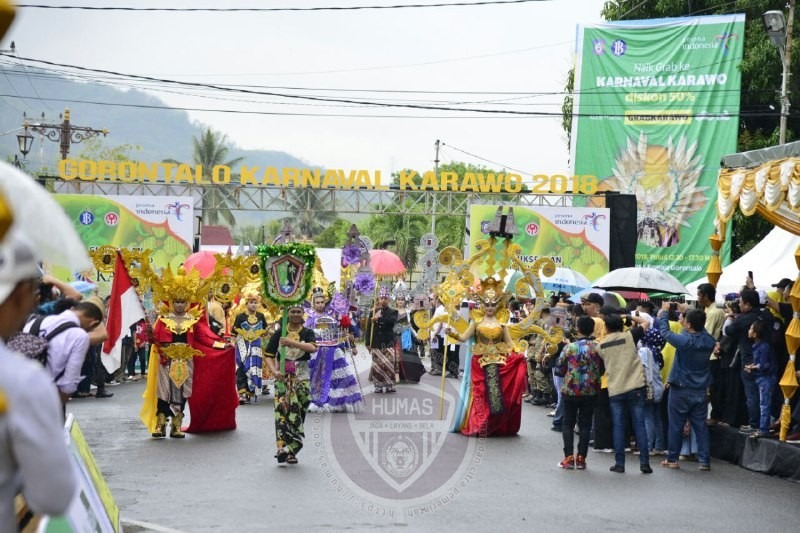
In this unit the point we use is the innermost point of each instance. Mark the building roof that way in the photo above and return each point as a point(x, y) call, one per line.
point(216, 235)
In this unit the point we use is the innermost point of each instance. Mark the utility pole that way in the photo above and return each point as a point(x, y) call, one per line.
point(65, 134)
point(787, 72)
point(436, 174)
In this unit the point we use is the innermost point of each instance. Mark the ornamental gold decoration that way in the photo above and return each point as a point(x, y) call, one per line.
point(104, 258)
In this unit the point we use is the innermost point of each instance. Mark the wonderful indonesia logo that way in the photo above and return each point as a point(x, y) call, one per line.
point(396, 457)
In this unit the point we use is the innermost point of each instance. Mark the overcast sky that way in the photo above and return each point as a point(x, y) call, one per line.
point(488, 50)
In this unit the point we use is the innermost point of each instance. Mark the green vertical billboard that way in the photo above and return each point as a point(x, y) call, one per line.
point(656, 107)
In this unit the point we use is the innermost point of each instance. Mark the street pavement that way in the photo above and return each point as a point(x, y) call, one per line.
point(230, 481)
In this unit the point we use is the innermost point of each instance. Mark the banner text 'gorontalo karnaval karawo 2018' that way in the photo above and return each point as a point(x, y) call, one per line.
point(656, 107)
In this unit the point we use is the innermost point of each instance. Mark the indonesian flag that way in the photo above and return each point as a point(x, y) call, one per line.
point(124, 310)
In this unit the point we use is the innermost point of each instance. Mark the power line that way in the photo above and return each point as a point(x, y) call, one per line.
point(408, 65)
point(282, 95)
point(253, 112)
point(276, 9)
point(362, 102)
point(486, 160)
point(501, 114)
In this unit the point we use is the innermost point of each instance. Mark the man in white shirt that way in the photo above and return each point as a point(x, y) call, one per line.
point(33, 454)
point(67, 350)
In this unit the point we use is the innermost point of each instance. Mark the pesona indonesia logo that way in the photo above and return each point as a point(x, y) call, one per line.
point(726, 38)
point(532, 228)
point(176, 209)
point(396, 456)
point(591, 220)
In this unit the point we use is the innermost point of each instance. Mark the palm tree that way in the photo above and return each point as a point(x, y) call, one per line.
point(311, 210)
point(404, 231)
point(209, 151)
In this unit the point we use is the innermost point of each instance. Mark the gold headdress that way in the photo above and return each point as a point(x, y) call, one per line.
point(319, 285)
point(491, 290)
point(180, 286)
point(251, 291)
point(493, 261)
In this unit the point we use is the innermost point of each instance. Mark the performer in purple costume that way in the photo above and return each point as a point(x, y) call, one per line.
point(334, 383)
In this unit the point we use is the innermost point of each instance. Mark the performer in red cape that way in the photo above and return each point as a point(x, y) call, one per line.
point(188, 362)
point(498, 374)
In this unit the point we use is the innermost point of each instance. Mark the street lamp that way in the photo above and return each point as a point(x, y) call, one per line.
point(25, 142)
point(65, 134)
point(775, 26)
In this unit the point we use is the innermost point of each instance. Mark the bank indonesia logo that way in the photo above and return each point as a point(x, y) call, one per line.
point(395, 455)
point(599, 47)
point(86, 218)
point(619, 47)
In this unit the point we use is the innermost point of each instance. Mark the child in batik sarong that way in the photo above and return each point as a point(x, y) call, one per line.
point(291, 383)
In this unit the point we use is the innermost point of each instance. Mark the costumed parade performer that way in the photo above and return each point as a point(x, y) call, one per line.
point(187, 362)
point(250, 327)
point(334, 383)
point(495, 373)
point(498, 373)
point(379, 336)
point(286, 274)
point(291, 390)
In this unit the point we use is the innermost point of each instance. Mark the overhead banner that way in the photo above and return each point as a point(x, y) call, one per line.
point(573, 237)
point(163, 224)
point(656, 107)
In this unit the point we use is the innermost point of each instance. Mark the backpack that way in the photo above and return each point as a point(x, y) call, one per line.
point(655, 387)
point(653, 340)
point(35, 346)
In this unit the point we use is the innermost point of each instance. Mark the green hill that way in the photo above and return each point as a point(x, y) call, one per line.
point(161, 133)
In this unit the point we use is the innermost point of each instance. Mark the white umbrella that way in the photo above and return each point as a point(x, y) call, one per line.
point(640, 279)
point(566, 280)
point(39, 218)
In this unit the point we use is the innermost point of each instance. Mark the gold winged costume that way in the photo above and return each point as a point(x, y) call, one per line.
point(495, 372)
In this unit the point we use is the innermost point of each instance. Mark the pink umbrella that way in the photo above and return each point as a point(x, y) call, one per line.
point(203, 262)
point(386, 264)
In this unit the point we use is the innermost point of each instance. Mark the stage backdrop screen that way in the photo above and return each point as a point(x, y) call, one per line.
point(573, 237)
point(163, 224)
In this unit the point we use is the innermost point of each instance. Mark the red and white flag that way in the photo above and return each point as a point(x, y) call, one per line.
point(124, 310)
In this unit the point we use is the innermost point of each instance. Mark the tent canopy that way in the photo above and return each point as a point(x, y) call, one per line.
point(770, 260)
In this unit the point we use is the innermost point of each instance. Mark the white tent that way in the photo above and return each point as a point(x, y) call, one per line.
point(770, 260)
